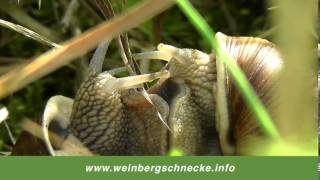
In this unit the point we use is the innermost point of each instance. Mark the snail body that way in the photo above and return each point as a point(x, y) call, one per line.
point(116, 122)
point(109, 118)
point(228, 130)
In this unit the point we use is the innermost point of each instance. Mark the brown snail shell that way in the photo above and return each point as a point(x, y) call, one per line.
point(261, 62)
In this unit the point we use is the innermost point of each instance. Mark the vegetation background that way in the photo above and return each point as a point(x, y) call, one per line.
point(53, 20)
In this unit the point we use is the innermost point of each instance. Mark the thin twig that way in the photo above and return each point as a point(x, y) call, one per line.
point(122, 41)
point(13, 141)
point(106, 9)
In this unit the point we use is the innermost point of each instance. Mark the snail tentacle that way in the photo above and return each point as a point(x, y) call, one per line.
point(116, 84)
point(58, 109)
point(154, 55)
point(184, 57)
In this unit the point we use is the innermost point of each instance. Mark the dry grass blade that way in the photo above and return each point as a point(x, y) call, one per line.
point(27, 32)
point(78, 46)
point(70, 146)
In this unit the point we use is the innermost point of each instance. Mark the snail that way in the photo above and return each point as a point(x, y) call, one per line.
point(203, 112)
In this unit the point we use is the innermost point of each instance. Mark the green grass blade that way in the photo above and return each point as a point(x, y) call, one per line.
point(240, 79)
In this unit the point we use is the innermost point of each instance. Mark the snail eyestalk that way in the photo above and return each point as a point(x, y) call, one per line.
point(177, 53)
point(131, 81)
point(166, 53)
point(156, 55)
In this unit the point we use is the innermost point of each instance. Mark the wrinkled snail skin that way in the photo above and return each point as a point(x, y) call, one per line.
point(196, 131)
point(124, 123)
point(191, 106)
point(111, 123)
point(90, 115)
point(195, 96)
